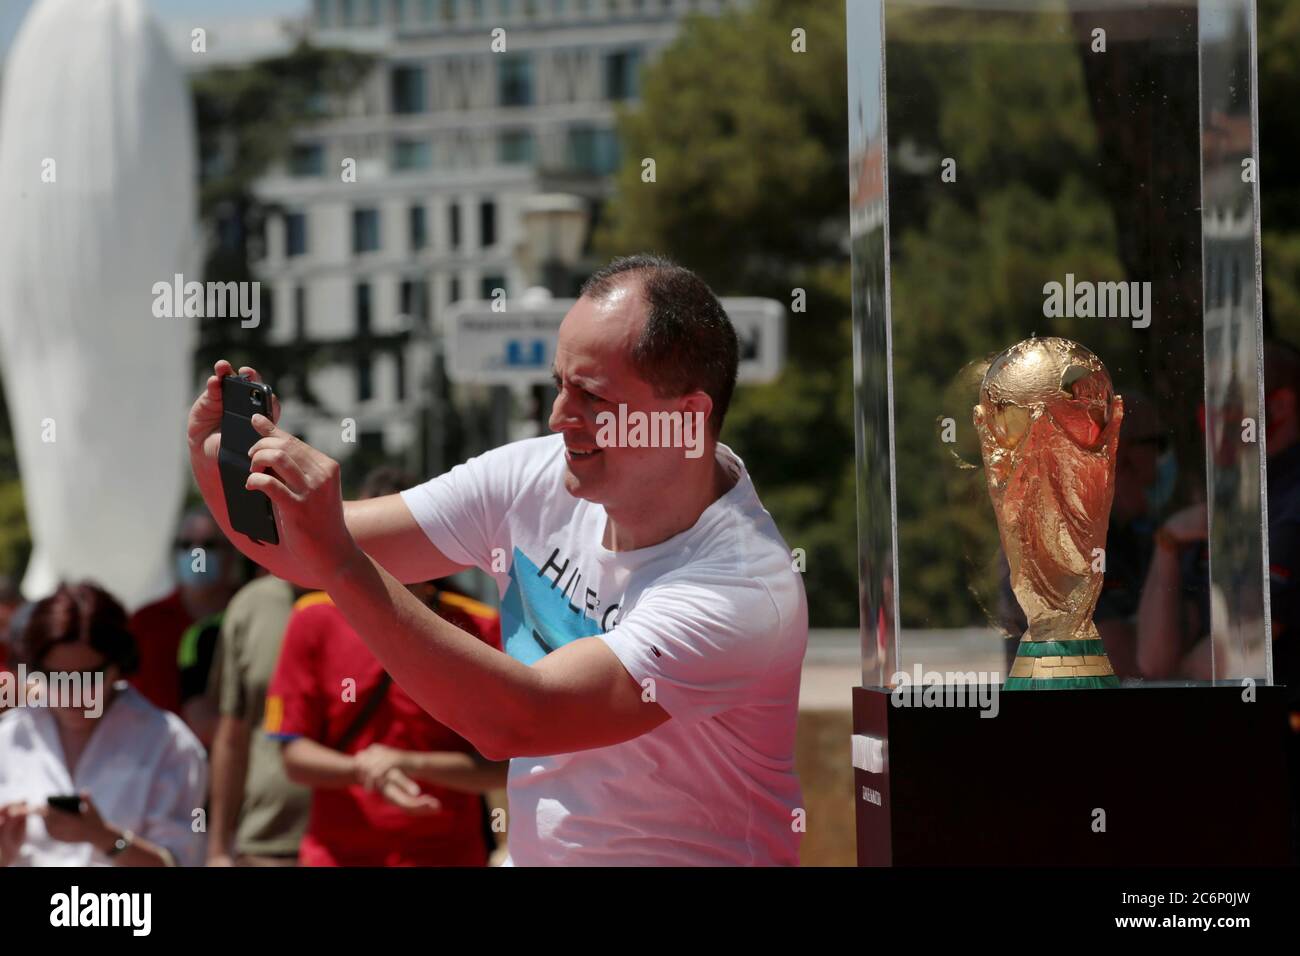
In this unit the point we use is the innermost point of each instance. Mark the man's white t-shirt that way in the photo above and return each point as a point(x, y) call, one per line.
point(713, 622)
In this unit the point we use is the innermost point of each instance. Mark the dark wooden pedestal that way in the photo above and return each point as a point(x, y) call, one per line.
point(1184, 775)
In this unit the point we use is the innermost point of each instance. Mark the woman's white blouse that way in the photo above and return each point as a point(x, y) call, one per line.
point(143, 768)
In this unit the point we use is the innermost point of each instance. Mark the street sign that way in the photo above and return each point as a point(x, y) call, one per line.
point(514, 344)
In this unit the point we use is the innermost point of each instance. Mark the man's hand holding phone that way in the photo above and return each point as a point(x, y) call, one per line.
point(301, 482)
point(205, 415)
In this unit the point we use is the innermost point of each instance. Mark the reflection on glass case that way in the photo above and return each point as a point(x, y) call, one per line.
point(1057, 335)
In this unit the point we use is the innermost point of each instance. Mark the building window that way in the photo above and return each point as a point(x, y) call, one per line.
point(593, 150)
point(515, 146)
point(415, 298)
point(307, 159)
point(417, 227)
point(453, 225)
point(373, 16)
point(316, 104)
point(350, 11)
point(399, 363)
point(322, 8)
point(453, 290)
point(489, 285)
point(295, 234)
point(427, 8)
point(407, 84)
point(362, 308)
point(411, 154)
point(299, 313)
point(230, 231)
point(487, 224)
point(515, 81)
point(365, 381)
point(365, 230)
point(622, 75)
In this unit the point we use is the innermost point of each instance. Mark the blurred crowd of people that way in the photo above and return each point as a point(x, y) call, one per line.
point(240, 721)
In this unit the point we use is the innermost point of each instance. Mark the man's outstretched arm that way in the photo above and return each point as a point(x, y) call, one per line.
point(576, 698)
point(382, 527)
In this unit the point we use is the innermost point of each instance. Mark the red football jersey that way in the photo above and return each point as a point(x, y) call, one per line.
point(325, 673)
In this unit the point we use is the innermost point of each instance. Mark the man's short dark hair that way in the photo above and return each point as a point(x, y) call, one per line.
point(687, 344)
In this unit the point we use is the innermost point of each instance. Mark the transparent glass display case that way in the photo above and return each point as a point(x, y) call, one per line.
point(1075, 179)
point(1081, 170)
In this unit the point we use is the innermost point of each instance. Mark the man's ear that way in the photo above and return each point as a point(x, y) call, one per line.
point(698, 402)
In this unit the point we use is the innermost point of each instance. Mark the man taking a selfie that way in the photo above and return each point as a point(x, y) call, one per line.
point(653, 623)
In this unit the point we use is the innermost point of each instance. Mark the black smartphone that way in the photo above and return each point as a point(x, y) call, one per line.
point(68, 803)
point(250, 511)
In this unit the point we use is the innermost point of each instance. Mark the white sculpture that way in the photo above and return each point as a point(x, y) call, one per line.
point(97, 203)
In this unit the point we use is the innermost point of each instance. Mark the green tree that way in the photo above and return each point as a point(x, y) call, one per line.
point(15, 538)
point(750, 144)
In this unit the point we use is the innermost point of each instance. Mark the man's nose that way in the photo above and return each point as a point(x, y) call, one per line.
point(562, 413)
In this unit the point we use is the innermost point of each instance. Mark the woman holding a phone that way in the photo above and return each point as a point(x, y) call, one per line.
point(91, 773)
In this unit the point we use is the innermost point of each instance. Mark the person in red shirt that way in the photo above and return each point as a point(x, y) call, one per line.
point(391, 785)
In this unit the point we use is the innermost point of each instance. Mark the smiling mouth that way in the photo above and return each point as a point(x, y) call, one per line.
point(577, 454)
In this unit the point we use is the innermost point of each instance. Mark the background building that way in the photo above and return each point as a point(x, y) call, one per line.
point(410, 193)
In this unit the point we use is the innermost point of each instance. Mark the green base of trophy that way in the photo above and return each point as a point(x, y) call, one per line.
point(1060, 665)
point(1060, 683)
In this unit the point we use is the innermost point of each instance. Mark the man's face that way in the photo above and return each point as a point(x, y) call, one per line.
point(594, 377)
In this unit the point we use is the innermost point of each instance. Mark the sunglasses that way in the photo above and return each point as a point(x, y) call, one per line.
point(207, 545)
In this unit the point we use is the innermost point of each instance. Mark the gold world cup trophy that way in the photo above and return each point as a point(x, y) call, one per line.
point(1048, 422)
